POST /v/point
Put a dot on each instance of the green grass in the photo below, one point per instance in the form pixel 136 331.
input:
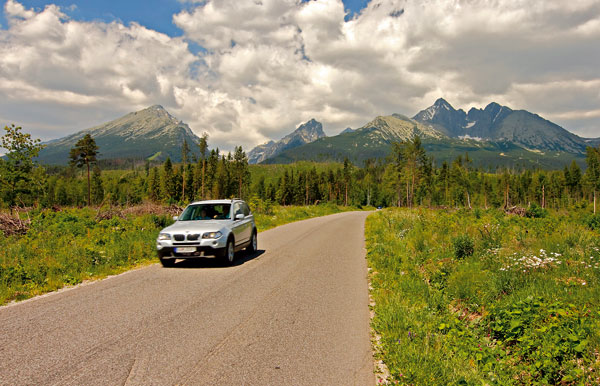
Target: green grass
pixel 483 298
pixel 70 246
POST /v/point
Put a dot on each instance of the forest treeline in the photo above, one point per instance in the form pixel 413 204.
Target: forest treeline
pixel 408 177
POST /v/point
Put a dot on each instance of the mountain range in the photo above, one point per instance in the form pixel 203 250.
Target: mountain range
pixel 151 133
pixel 493 136
pixel 500 123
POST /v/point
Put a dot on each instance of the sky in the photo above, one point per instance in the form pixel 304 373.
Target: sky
pixel 246 71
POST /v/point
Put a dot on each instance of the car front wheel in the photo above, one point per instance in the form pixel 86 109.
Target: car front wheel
pixel 229 252
pixel 253 247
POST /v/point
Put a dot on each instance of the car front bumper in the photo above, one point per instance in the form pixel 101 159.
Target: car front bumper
pixel 166 248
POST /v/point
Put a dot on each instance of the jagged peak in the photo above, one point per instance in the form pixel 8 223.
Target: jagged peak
pixel 493 106
pixel 311 125
pixel 441 102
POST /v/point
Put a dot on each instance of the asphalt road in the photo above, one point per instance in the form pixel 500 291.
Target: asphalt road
pixel 295 313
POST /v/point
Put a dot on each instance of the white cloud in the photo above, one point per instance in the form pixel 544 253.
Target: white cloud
pixel 272 64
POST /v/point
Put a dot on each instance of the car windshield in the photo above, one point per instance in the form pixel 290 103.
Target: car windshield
pixel 206 212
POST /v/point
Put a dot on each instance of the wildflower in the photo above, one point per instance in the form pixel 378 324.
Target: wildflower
pixel 584 283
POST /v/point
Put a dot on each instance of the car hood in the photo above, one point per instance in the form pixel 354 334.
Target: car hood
pixel 196 226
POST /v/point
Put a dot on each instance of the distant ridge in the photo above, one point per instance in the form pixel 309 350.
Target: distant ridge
pixel 151 133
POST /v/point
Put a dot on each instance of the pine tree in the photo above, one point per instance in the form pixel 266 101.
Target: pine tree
pixel 203 145
pixel 97 186
pixel 240 169
pixel 168 182
pixel 84 153
pixel 185 150
pixel 347 179
pixel 154 185
pixel 593 170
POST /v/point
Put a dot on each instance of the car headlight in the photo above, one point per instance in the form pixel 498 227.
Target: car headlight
pixel 164 236
pixel 212 235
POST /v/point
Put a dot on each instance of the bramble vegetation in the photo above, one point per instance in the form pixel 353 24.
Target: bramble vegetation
pixel 72 245
pixel 483 297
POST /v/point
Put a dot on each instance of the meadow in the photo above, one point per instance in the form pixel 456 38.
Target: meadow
pixel 68 246
pixel 480 297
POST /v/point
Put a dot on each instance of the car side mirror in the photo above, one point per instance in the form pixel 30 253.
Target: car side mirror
pixel 239 216
pixel 175 218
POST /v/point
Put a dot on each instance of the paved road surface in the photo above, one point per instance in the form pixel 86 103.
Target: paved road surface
pixel 295 313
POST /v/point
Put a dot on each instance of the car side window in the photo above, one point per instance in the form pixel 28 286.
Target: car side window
pixel 246 209
pixel 237 209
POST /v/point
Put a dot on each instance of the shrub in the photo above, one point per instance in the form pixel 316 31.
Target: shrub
pixel 463 246
pixel 593 222
pixel 535 211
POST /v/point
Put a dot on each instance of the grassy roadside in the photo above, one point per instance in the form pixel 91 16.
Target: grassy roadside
pixel 483 298
pixel 280 215
pixel 72 245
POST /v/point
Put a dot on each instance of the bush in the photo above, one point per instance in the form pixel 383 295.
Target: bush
pixel 593 222
pixel 463 246
pixel 535 211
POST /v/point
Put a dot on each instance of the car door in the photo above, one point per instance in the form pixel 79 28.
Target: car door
pixel 238 225
pixel 247 221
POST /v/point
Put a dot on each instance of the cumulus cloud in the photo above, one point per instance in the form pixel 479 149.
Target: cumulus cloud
pixel 48 60
pixel 299 59
pixel 268 65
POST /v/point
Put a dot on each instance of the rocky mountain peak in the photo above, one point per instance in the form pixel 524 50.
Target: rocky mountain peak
pixel 441 102
pixel 443 117
pixel 307 132
pixel 311 131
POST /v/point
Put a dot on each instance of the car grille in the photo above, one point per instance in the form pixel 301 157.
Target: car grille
pixel 190 237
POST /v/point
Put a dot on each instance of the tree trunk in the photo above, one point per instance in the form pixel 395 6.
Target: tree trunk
pixel 468 200
pixel 346 195
pixel 183 184
pixel 89 185
pixel 203 169
pixel 543 196
pixel 594 201
pixel 412 189
pixel 306 193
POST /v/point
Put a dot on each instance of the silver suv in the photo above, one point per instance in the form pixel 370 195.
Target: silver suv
pixel 216 228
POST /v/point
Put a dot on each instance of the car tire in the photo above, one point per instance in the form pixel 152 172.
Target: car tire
pixel 167 263
pixel 253 246
pixel 228 255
